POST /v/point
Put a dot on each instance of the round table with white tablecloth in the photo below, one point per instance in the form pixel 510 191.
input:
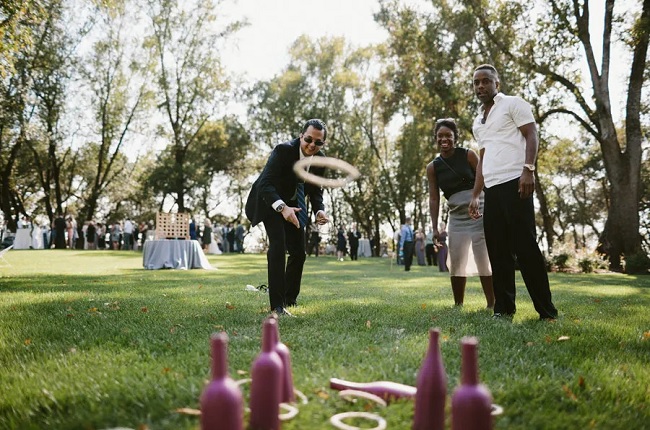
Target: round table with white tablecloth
pixel 174 254
pixel 364 248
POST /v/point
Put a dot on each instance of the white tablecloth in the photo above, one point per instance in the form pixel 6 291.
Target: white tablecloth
pixel 174 254
pixel 364 248
pixel 26 238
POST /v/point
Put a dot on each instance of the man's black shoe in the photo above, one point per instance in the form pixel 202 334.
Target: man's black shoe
pixel 498 316
pixel 282 311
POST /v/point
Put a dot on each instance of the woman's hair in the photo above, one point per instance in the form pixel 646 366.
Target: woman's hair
pixel 450 123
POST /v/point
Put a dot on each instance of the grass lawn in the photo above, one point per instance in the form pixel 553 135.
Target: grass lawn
pixel 90 340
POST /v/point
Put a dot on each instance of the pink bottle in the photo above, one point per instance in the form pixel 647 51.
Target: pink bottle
pixel 431 388
pixel 266 386
pixel 387 390
pixel 288 395
pixel 221 401
pixel 471 404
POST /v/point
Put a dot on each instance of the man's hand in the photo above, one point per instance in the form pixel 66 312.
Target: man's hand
pixel 474 208
pixel 289 215
pixel 321 218
pixel 526 184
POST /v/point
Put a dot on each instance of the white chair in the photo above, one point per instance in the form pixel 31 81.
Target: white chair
pixel 3 261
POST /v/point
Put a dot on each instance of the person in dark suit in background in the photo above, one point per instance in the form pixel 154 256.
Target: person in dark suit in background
pixel 59 231
pixel 277 199
pixel 353 240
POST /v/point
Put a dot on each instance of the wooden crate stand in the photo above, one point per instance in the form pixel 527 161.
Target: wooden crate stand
pixel 172 226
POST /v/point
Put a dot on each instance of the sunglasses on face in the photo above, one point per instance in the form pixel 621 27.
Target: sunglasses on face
pixel 310 139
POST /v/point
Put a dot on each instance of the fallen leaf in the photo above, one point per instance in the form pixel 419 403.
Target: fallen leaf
pixel 172 330
pixel 548 339
pixel 368 324
pixel 423 305
pixel 70 315
pixel 229 306
pixel 242 372
pixel 28 342
pixel 188 411
pixel 646 335
pixel 144 309
pixel 143 427
pixel 166 370
pixel 92 310
pixel 569 393
pixel 581 382
pixel 530 343
pixel 597 300
pixel 322 394
pixel 561 338
pixel 200 286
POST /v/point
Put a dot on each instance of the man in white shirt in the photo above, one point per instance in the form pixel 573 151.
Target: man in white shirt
pixel 128 232
pixel 507 136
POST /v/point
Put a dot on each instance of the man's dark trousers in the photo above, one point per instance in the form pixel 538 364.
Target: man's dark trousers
pixel 409 248
pixel 509 223
pixel 284 287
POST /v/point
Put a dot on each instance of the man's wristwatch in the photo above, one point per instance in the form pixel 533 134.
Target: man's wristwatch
pixel 280 207
pixel 530 167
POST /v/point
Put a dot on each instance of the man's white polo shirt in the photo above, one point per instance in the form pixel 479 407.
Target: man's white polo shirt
pixel 505 146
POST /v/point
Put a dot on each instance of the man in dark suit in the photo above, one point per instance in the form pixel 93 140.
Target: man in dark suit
pixel 277 199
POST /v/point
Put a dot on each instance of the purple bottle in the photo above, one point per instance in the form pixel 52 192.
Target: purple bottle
pixel 266 387
pixel 431 391
pixel 288 395
pixel 221 401
pixel 471 404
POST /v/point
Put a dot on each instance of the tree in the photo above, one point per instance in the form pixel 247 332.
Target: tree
pixel 18 21
pixel 32 100
pixel 328 79
pixel 550 50
pixel 117 73
pixel 219 148
pixel 191 82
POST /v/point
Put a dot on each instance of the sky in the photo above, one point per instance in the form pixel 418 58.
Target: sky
pixel 260 50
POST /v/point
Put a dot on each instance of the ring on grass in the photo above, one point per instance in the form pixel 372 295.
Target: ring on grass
pixel 292 411
pixel 346 394
pixel 243 381
pixel 330 162
pixel 300 395
pixel 496 410
pixel 336 420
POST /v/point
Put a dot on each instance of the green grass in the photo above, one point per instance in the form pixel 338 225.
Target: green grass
pixel 90 340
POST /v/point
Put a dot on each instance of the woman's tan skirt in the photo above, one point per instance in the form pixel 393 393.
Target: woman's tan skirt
pixel 468 254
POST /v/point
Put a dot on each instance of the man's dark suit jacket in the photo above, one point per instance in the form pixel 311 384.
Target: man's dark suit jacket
pixel 278 182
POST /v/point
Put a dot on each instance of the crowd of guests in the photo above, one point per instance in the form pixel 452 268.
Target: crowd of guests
pixel 426 249
pixel 68 233
pixel 216 239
